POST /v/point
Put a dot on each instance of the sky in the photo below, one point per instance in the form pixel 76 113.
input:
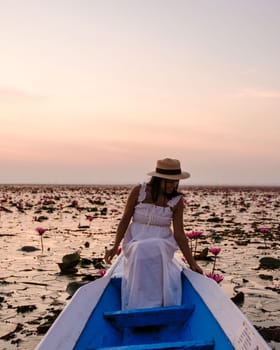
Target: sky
pixel 94 92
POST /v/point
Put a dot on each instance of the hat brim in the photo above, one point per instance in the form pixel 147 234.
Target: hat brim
pixel 183 175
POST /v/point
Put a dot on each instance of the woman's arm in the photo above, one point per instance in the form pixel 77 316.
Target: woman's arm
pixel 181 238
pixel 124 222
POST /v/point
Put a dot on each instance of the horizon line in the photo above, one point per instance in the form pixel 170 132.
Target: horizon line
pixel 132 184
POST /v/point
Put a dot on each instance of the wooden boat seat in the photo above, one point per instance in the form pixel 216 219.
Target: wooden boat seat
pixel 187 345
pixel 160 316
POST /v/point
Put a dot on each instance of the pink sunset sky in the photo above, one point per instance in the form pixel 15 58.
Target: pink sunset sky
pixel 94 92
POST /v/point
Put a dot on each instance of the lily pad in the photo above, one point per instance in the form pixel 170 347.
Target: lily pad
pixel 238 299
pixel 26 308
pixel 270 333
pixel 266 277
pixel 71 260
pixel 66 269
pixel 42 218
pixel 11 333
pixel 203 255
pixel 98 263
pixel 269 263
pixel 29 248
pixel 271 306
pixel 72 287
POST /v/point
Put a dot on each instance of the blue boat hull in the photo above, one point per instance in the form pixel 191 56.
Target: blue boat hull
pixel 206 320
pixel 151 328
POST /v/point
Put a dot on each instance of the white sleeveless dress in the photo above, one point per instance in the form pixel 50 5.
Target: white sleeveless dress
pixel 151 276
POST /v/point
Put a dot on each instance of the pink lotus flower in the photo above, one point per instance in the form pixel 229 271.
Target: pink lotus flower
pixel 216 277
pixel 264 230
pixel 215 250
pixel 41 230
pixel 102 272
pixel 89 217
pixel 194 235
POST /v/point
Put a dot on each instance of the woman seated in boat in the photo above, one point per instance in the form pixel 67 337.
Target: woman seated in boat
pixel 151 277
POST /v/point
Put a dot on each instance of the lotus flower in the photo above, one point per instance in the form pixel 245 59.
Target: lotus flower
pixel 216 277
pixel 194 235
pixel 214 251
pixel 41 231
pixel 264 230
pixel 102 272
pixel 89 218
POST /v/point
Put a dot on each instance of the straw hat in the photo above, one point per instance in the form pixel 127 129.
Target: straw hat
pixel 169 169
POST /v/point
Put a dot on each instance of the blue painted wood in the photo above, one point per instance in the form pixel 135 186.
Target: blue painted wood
pixel 98 330
pixel 82 325
pixel 100 333
pixel 160 316
pixel 188 345
pixel 203 324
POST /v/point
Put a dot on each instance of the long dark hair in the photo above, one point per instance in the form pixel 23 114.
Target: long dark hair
pixel 155 189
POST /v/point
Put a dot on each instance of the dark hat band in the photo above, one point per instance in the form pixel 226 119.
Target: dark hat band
pixel 168 172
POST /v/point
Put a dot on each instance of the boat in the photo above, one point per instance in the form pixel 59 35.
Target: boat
pixel 207 319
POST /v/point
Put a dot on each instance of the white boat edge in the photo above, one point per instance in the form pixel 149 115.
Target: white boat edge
pixel 235 324
pixel 65 332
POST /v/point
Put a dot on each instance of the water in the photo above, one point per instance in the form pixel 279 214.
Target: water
pixel 230 218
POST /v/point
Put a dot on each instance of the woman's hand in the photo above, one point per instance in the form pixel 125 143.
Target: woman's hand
pixel 109 254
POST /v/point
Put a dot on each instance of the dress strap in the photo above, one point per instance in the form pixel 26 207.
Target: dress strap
pixel 142 193
pixel 173 201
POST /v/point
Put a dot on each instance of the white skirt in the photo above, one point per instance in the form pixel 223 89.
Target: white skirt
pixel 151 277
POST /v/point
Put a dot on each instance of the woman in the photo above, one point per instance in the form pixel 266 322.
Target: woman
pixel 151 277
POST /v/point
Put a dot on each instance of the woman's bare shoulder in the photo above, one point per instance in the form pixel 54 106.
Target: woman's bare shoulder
pixel 134 193
pixel 179 205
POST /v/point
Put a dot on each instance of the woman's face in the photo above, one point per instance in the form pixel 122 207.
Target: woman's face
pixel 168 186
